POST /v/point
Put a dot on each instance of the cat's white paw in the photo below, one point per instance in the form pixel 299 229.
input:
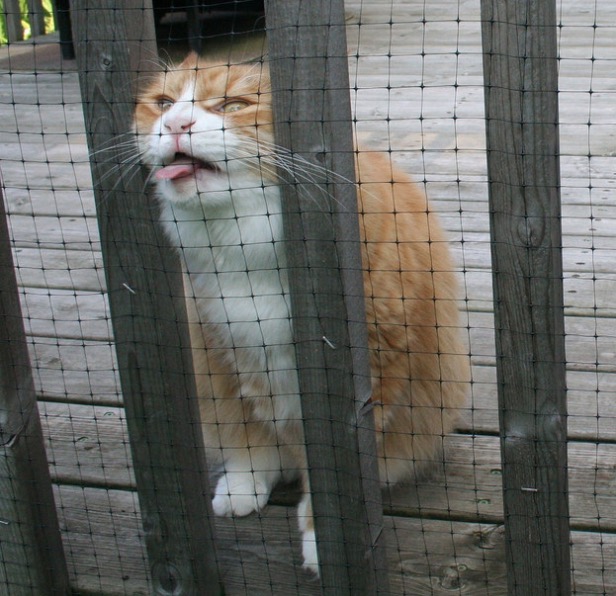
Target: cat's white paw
pixel 309 552
pixel 238 493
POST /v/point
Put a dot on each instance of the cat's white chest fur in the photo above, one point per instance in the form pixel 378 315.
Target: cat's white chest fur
pixel 235 263
pixel 234 259
pixel 215 173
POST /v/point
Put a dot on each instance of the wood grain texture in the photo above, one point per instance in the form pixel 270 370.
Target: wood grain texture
pixel 12 13
pixel 434 70
pixel 521 86
pixel 427 557
pixel 149 319
pixel 31 556
pixel 312 117
pixel 88 445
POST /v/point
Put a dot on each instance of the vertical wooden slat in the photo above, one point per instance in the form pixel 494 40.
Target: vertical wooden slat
pixel 31 554
pixel 149 317
pixel 308 63
pixel 62 15
pixel 36 17
pixel 142 48
pixel 12 14
pixel 521 85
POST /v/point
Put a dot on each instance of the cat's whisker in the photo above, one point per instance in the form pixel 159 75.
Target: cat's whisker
pixel 283 153
pixel 305 175
pixel 124 139
pixel 156 62
pixel 117 166
pixel 293 164
pixel 272 165
pixel 272 175
pixel 114 147
pixel 146 180
pixel 118 158
pixel 125 172
pixel 232 264
pixel 300 163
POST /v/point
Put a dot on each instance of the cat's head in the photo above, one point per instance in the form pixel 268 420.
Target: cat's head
pixel 204 127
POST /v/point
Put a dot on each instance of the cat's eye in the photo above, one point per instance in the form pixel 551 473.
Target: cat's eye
pixel 164 103
pixel 233 106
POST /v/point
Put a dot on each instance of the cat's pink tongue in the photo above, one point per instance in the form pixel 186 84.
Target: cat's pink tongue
pixel 175 171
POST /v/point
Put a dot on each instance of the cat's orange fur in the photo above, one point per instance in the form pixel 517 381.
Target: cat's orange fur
pixel 420 369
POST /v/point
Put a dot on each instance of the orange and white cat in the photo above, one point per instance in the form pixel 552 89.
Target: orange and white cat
pixel 205 130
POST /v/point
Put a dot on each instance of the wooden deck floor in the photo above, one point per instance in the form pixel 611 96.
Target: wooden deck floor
pixel 419 94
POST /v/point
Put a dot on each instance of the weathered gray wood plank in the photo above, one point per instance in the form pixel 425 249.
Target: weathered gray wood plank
pixel 521 81
pixel 62 269
pixel 12 13
pixel 31 555
pixel 78 232
pixel 145 287
pixel 66 314
pixel 55 232
pixel 591 403
pixel 101 530
pixel 469 485
pixel 60 374
pixel 312 120
pixel 104 542
pixel 89 444
pixel 449 158
pixel 75 370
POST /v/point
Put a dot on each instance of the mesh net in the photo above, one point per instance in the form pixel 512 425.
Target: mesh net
pixel 417 97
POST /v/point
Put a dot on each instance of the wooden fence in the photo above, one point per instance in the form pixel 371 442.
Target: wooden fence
pixel 521 85
pixel 13 19
pixel 308 60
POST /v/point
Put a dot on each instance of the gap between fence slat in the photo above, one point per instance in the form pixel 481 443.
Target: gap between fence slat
pixel 31 553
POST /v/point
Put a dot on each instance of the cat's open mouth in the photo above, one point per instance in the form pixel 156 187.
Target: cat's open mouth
pixel 184 165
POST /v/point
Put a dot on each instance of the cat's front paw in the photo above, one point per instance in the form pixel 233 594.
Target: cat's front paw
pixel 238 493
pixel 309 552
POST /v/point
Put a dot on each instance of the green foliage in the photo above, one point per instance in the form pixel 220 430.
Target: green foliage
pixel 23 6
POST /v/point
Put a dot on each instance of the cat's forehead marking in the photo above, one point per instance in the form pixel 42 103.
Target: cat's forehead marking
pixel 187 93
pixel 214 83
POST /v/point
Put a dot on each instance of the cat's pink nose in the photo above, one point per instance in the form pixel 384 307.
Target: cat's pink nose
pixel 178 125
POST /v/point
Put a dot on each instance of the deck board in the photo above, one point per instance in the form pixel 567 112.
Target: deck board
pixel 90 443
pixel 443 534
pixel 426 556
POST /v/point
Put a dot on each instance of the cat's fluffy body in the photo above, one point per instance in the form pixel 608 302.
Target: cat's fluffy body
pixel 206 132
